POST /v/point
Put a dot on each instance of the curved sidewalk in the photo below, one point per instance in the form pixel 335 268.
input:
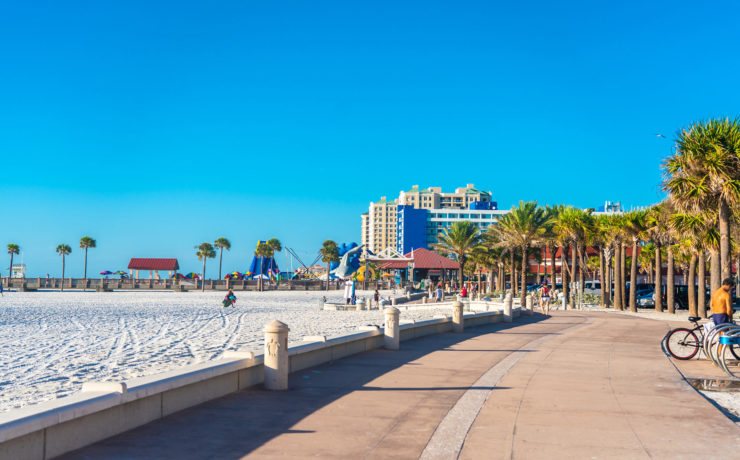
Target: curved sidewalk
pixel 574 385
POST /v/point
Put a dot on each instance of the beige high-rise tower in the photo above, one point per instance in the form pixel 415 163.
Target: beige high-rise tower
pixel 380 226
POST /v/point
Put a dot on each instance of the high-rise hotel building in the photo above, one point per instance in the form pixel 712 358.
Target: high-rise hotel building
pixel 418 215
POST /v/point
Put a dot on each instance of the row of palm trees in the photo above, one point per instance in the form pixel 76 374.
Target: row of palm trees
pixel 696 223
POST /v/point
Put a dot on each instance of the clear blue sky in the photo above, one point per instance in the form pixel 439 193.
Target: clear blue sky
pixel 154 126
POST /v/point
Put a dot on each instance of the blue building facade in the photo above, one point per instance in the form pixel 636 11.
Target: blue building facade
pixel 411 228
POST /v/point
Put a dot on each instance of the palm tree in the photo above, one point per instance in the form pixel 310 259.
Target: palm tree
pixel 329 254
pixel 598 239
pixel 658 231
pixel 573 225
pixel 703 173
pixel 63 250
pixel 635 228
pixel 221 243
pixel 275 246
pixel 461 239
pixel 522 227
pixel 13 249
pixel 697 232
pixel 205 251
pixel 86 242
pixel 263 250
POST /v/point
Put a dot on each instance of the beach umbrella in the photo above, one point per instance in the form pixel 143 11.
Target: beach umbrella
pixel 192 276
pixel 119 272
pixel 106 272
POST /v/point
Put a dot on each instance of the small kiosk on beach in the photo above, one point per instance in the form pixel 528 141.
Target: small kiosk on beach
pixel 154 266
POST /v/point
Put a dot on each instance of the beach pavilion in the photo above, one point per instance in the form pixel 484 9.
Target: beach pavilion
pixel 424 264
pixel 154 266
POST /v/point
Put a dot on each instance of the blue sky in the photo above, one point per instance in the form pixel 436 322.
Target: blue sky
pixel 154 126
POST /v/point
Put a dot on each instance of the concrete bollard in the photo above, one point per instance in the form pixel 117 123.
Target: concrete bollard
pixel 530 304
pixel 392 339
pixel 393 301
pixel 361 304
pixel 424 299
pixel 276 355
pixel 507 308
pixel 457 317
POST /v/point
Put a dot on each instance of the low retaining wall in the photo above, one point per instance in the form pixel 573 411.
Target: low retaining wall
pixel 102 410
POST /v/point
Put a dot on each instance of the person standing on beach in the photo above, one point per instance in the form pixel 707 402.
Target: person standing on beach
pixel 376 298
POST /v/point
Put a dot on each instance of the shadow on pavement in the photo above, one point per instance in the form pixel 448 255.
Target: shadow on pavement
pixel 235 425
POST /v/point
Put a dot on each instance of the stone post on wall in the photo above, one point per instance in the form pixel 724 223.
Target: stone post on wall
pixel 392 339
pixel 507 308
pixel 361 304
pixel 276 355
pixel 530 304
pixel 457 317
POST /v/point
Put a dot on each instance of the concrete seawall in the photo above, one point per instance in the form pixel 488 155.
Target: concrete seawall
pixel 102 410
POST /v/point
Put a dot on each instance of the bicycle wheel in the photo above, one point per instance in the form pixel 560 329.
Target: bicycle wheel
pixel 682 343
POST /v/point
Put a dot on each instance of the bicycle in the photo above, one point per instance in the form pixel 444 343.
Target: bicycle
pixel 684 343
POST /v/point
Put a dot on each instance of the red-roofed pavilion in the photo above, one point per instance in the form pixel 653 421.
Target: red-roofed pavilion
pixel 154 266
pixel 425 264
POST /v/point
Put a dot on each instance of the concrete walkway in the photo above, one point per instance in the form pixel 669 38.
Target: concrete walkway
pixel 574 385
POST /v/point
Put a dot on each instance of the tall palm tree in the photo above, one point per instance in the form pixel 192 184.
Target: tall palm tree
pixel 221 243
pixel 635 226
pixel 205 251
pixel 13 249
pixel 522 227
pixel 329 254
pixel 573 225
pixel 697 232
pixel 86 242
pixel 461 238
pixel 263 250
pixel 658 231
pixel 63 250
pixel 704 172
pixel 275 246
pixel 598 239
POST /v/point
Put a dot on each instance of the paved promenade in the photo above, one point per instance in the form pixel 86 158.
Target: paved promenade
pixel 576 385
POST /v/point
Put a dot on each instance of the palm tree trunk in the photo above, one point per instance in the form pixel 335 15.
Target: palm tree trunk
pixel 724 238
pixel 84 286
pixel 573 267
pixel 670 282
pixel 512 270
pixel 617 281
pixel 582 273
pixel 203 281
pixel 607 299
pixel 658 280
pixel 692 286
pixel 633 277
pixel 623 268
pixel 62 288
pixel 522 297
pixel 715 280
pixel 328 266
pixel 10 270
pixel 563 271
pixel 737 273
pixel 552 268
pixel 602 281
pixel 701 285
pixel 221 258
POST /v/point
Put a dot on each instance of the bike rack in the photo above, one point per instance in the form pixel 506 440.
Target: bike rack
pixel 731 336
